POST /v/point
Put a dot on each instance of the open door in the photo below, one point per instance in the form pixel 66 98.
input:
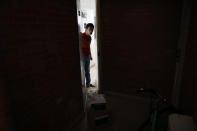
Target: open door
pixel 87 13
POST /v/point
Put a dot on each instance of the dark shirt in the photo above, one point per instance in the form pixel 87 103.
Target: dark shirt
pixel 86 40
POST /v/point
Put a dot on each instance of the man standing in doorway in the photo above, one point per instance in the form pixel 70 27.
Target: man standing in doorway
pixel 86 52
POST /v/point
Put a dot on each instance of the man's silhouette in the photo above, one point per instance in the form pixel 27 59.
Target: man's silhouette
pixel 86 52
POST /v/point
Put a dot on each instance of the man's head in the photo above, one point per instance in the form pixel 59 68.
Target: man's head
pixel 89 29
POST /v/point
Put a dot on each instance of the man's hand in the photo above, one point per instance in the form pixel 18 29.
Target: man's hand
pixel 91 57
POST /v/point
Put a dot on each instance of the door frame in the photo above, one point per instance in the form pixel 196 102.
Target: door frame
pixel 99 43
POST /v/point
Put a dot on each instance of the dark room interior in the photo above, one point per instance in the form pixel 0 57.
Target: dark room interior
pixel 147 55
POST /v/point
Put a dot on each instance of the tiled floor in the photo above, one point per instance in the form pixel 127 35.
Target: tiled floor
pixel 126 114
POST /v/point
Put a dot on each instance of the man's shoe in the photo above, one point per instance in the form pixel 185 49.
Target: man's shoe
pixel 87 86
pixel 91 85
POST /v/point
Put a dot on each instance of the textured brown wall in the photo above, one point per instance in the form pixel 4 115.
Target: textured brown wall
pixel 139 39
pixel 5 118
pixel 40 68
pixel 189 86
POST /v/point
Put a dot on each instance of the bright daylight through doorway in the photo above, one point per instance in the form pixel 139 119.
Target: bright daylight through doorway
pixel 86 13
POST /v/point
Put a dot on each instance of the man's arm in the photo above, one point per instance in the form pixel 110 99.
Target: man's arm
pixel 91 55
pixel 90 51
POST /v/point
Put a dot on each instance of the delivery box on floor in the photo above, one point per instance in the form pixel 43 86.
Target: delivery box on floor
pixel 101 117
pixel 98 102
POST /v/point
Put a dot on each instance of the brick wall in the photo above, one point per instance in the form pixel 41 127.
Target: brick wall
pixel 189 86
pixel 139 39
pixel 5 118
pixel 40 65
